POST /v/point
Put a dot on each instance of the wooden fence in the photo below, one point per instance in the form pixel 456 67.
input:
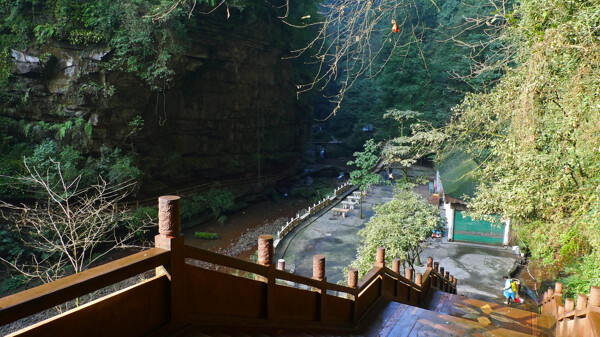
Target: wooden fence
pixel 573 319
pixel 238 294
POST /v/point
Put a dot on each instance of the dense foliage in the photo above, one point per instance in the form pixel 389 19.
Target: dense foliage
pixel 429 72
pixel 536 135
pixel 365 162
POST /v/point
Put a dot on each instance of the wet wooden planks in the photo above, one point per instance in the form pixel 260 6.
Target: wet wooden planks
pixel 512 318
pixel 412 321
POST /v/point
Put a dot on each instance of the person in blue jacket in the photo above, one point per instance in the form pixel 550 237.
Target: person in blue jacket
pixel 508 291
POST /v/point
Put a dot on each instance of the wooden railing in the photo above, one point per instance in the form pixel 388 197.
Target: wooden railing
pixel 218 292
pixel 581 319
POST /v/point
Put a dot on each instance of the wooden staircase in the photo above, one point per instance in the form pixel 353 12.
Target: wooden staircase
pixel 198 293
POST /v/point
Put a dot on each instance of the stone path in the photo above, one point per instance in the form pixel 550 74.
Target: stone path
pixel 478 268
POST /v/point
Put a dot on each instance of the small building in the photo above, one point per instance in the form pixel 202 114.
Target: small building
pixel 457 183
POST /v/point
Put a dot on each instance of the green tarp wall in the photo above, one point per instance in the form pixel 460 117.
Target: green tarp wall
pixel 479 231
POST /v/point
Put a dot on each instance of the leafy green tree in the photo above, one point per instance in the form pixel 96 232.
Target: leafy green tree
pixel 421 139
pixel 401 226
pixel 536 137
pixel 365 176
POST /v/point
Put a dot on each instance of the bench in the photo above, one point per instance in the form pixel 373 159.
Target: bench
pixel 353 199
pixel 341 211
pixel 348 204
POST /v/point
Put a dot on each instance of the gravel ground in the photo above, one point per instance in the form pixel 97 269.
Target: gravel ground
pixel 249 239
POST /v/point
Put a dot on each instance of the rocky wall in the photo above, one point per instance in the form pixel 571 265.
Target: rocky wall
pixel 230 112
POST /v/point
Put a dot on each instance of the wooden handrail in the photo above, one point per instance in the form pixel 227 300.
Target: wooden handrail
pixel 48 295
pixel 283 275
pixel 401 278
pixel 224 260
pixel 366 280
pixel 235 298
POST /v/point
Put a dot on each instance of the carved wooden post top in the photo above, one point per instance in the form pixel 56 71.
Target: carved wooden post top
pixel 419 279
pixel 558 287
pixel 319 266
pixel 380 258
pixel 430 262
pixel 265 249
pixel 594 298
pixel 396 265
pixel 352 277
pixel 169 221
pixel 569 304
pixel 582 301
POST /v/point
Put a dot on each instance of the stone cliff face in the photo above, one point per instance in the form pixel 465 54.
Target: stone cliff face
pixel 230 112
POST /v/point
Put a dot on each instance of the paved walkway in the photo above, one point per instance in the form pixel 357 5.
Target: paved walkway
pixel 478 268
pixel 331 235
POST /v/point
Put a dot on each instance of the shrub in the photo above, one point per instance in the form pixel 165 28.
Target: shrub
pixel 206 235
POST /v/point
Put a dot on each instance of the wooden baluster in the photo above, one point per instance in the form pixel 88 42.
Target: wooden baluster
pixel 265 257
pixel 419 279
pixel 170 238
pixel 396 265
pixel 408 273
pixel 380 258
pixel 319 274
pixel 448 286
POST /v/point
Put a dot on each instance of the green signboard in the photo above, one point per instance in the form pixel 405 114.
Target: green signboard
pixel 479 231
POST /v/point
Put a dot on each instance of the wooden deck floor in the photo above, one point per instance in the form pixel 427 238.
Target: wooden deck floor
pixel 453 315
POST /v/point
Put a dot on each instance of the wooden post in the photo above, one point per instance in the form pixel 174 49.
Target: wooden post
pixel 436 279
pixel 442 283
pixel 593 303
pixel 353 283
pixel 169 238
pixel 396 265
pixel 265 249
pixel 558 288
pixel 319 274
pixel 454 282
pixel 430 262
pixel 568 324
pixel 352 277
pixel 569 305
pixel 281 264
pixel 265 257
pixel 594 298
pixel 419 279
pixel 380 258
pixel 319 267
pixel 448 286
pixel 582 301
pixel 408 273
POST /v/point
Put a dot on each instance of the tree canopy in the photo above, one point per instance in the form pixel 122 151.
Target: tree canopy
pixel 401 226
pixel 536 135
